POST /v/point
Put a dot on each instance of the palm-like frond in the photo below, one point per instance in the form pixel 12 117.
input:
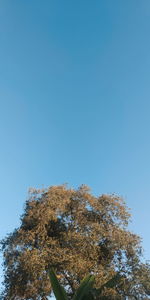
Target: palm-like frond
pixel 58 290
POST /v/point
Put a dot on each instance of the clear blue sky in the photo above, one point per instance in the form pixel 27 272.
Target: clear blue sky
pixel 75 102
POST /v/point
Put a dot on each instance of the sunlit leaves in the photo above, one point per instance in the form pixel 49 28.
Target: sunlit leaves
pixel 77 233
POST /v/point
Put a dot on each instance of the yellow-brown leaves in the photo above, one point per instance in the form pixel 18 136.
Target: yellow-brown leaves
pixel 76 233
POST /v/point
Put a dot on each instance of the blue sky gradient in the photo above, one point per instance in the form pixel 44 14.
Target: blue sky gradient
pixel 75 102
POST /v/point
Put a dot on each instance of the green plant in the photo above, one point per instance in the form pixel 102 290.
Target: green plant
pixel 60 293
pixel 85 291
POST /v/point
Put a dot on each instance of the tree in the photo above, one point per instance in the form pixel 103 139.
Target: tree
pixel 76 233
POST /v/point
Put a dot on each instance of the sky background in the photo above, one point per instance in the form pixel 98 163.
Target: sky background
pixel 75 102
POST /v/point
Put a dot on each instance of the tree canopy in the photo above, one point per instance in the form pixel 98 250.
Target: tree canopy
pixel 77 234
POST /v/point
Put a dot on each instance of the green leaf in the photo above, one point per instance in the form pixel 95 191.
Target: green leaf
pixel 110 283
pixel 84 288
pixel 58 290
pixel 89 296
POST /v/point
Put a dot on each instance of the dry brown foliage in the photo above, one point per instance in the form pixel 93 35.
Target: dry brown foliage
pixel 77 233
